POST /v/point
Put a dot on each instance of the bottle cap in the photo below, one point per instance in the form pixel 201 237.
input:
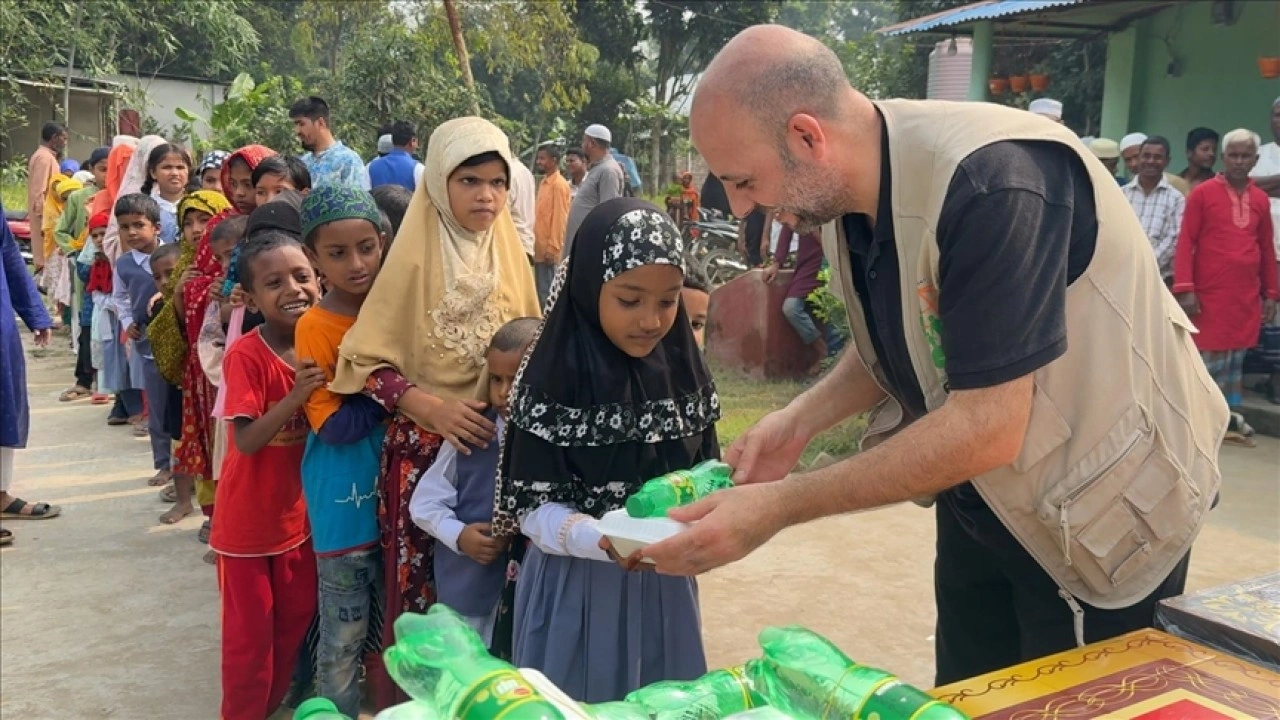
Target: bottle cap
pixel 640 506
pixel 317 707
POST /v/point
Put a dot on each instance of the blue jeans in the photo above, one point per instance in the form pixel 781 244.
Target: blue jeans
pixel 543 275
pixel 350 587
pixel 796 310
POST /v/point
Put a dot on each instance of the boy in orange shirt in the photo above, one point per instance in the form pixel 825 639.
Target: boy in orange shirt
pixel 266 565
pixel 342 230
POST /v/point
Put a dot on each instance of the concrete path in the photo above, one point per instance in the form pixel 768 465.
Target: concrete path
pixel 104 613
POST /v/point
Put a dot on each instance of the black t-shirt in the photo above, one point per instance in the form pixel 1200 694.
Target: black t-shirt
pixel 753 234
pixel 1017 226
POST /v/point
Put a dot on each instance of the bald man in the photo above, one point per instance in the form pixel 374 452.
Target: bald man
pixel 1012 336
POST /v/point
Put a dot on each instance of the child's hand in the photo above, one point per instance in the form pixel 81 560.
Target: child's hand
pixel 134 332
pixel 476 543
pixel 309 378
pixel 630 564
pixel 461 424
pixel 187 276
pixel 236 298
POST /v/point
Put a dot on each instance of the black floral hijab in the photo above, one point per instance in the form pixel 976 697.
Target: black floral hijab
pixel 589 423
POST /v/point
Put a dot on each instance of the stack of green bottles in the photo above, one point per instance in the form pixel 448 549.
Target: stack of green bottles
pixel 441 663
pixel 678 488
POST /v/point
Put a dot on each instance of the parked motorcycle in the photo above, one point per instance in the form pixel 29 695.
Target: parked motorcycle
pixel 711 247
pixel 20 226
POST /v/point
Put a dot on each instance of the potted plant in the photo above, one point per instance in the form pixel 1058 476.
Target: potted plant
pixel 1269 66
pixel 998 85
pixel 1018 83
pixel 1039 79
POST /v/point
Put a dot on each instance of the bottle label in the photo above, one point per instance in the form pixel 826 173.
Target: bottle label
pixel 681 482
pixel 497 694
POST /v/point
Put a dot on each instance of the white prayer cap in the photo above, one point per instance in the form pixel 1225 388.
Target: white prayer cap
pixel 599 132
pixel 1132 140
pixel 84 177
pixel 1104 149
pixel 1047 107
pixel 384 144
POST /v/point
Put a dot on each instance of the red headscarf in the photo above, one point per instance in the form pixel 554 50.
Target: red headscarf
pixel 198 394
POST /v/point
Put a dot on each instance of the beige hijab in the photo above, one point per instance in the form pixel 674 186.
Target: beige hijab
pixel 443 290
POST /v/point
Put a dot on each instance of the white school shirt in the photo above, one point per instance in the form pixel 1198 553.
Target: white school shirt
pixel 1269 164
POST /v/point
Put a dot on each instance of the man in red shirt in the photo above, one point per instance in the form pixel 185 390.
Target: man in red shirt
pixel 1225 266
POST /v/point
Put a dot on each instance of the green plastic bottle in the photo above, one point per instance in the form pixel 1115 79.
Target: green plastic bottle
pixel 439 659
pixel 412 710
pixel 318 708
pixel 804 675
pixel 717 694
pixel 617 711
pixel 681 487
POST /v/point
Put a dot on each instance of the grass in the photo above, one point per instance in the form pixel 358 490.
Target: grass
pixel 744 400
pixel 14 195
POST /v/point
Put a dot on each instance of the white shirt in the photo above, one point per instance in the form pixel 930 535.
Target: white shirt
pixel 522 200
pixel 1269 164
pixel 1160 214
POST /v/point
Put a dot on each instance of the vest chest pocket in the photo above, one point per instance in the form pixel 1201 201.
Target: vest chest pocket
pixel 1120 504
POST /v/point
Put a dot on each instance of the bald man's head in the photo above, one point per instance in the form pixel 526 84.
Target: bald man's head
pixel 769 73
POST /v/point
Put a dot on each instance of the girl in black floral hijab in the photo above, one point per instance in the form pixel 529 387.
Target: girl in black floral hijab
pixel 613 392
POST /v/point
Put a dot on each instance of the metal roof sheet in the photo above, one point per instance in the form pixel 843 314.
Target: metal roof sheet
pixel 987 10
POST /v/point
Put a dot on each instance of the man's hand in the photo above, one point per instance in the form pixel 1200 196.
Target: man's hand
pixel 1269 310
pixel 768 450
pixel 771 273
pixel 730 524
pixel 1190 303
pixel 134 332
pixel 476 543
pixel 42 337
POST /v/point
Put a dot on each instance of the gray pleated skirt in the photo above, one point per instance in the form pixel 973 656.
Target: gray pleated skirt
pixel 598 632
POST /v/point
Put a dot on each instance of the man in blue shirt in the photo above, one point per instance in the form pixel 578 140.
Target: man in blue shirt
pixel 330 162
pixel 398 166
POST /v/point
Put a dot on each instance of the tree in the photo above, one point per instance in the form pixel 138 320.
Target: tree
pixel 616 30
pixel 460 49
pixel 685 35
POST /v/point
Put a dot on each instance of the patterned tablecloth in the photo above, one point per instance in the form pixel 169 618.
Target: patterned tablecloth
pixel 1145 675
pixel 1242 618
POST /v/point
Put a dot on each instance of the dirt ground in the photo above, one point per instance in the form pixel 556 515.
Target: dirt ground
pixel 104 613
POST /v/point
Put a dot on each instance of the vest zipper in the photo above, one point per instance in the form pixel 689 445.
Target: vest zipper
pixel 1064 524
pixel 1077 615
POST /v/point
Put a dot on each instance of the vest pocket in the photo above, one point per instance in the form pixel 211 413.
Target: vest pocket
pixel 1119 504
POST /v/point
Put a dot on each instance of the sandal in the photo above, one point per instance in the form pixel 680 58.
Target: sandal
pixel 141 431
pixel 211 557
pixel 100 399
pixel 79 392
pixel 205 529
pixel 38 511
pixel 117 421
pixel 169 494
pixel 6 537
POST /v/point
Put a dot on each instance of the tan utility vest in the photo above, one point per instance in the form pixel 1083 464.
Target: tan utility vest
pixel 1120 460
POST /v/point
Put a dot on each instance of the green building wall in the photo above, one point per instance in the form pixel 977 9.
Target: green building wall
pixel 1218 84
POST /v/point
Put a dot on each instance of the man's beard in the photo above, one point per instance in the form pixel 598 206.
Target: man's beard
pixel 815 198
pixel 308 146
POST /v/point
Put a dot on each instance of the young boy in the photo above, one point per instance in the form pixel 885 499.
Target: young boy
pixel 133 286
pixel 696 298
pixel 454 501
pixel 343 238
pixel 278 173
pixel 266 567
pixel 94 271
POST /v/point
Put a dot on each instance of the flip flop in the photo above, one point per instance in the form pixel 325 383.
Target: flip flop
pixel 169 494
pixel 100 399
pixel 39 511
pixel 205 529
pixel 79 392
pixel 6 537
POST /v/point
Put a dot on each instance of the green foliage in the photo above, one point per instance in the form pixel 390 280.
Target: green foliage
pixel 827 307
pixel 252 113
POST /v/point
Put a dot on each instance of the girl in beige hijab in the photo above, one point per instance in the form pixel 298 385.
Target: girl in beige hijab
pixel 455 274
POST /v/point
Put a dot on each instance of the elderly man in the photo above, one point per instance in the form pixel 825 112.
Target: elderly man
pixel 1157 204
pixel 1224 267
pixel 1266 175
pixel 1069 440
pixel 605 180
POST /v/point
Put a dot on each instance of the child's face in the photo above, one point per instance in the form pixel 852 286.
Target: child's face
pixel 241 181
pixel 284 286
pixel 162 271
pixel 212 179
pixel 638 307
pixel 223 250
pixel 502 375
pixel 477 194
pixel 171 175
pixel 270 186
pixel 193 225
pixel 348 253
pixel 99 170
pixel 138 232
pixel 96 236
pixel 695 306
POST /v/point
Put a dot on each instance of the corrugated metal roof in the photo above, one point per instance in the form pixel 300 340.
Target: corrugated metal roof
pixel 988 10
